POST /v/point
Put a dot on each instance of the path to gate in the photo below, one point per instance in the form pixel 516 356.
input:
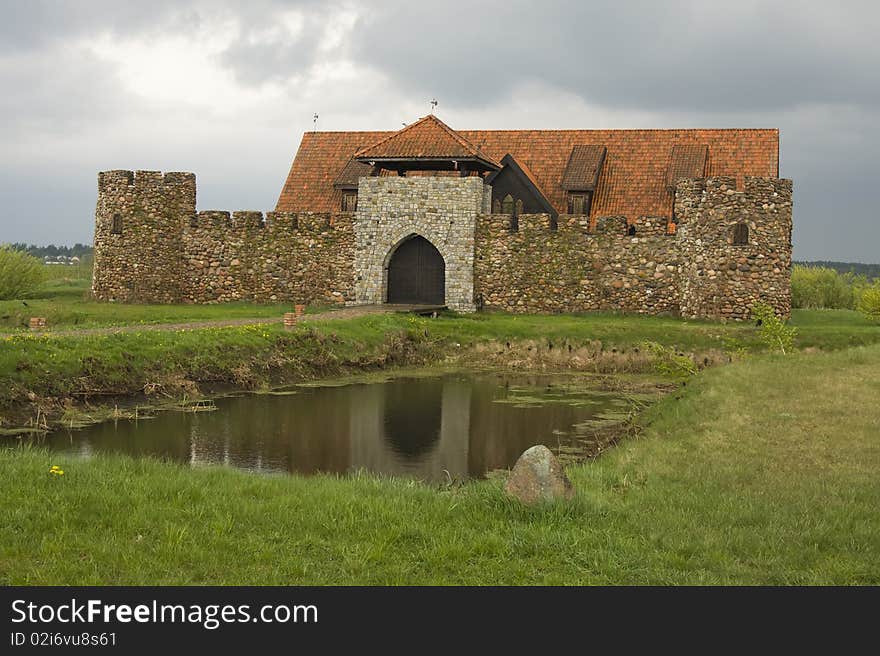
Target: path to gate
pixel 342 313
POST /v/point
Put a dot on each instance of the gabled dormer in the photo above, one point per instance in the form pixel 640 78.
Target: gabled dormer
pixel 515 190
pixel 581 176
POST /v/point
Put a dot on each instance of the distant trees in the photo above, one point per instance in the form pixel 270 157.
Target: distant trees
pixel 20 273
pixel 871 271
pixel 52 251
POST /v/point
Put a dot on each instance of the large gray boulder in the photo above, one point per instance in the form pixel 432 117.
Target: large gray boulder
pixel 538 476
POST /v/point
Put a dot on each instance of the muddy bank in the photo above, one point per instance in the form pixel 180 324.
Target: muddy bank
pixel 104 382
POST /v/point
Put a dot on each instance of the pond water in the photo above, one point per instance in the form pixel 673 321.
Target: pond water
pixel 421 427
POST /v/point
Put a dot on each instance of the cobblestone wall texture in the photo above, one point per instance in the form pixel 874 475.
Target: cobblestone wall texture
pixel 151 246
pixel 443 210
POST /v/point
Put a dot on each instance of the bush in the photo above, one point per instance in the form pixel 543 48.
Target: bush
pixel 774 333
pixel 20 273
pixel 823 287
pixel 869 303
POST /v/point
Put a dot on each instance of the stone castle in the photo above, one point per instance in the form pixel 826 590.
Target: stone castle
pixel 693 223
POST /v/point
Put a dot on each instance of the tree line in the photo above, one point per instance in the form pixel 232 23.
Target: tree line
pixel 52 251
pixel 870 271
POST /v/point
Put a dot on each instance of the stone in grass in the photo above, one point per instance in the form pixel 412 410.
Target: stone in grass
pixel 538 476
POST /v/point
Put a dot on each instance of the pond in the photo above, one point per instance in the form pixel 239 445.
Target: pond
pixel 452 426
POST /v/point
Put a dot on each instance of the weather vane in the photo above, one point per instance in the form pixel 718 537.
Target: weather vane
pixel 315 121
pixel 433 105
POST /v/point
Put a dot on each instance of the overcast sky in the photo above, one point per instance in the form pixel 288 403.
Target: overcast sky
pixel 226 89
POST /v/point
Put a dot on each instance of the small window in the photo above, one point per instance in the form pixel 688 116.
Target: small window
pixel 349 201
pixel 579 203
pixel 631 230
pixel 508 205
pixel 496 206
pixel 116 228
pixel 741 234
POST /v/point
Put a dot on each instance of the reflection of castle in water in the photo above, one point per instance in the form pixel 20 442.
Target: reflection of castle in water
pixel 421 428
pixel 395 428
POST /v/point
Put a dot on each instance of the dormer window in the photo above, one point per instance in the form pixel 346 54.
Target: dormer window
pixel 579 202
pixel 349 201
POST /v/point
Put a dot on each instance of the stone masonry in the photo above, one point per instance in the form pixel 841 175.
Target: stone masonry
pixel 443 210
pixel 152 246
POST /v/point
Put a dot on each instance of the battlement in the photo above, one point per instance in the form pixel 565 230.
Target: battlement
pixel 256 221
pixel 613 226
pixel 725 245
pixel 143 179
pixel 705 196
pixel 151 245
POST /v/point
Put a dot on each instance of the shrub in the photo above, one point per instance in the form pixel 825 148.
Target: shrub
pixel 669 362
pixel 774 333
pixel 823 287
pixel 869 303
pixel 20 273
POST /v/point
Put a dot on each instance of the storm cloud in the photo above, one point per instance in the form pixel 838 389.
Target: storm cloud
pixel 226 89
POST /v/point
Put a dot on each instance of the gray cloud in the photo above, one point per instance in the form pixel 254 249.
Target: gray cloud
pixel 693 56
pixel 808 69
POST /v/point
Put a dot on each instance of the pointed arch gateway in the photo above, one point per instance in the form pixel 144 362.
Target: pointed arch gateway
pixel 416 273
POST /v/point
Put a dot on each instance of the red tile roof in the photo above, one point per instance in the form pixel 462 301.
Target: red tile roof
pixel 686 161
pixel 632 182
pixel 583 168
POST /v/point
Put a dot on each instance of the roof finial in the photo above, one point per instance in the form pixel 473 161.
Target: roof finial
pixel 433 104
pixel 315 121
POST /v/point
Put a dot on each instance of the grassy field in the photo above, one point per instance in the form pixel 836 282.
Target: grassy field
pixel 763 471
pixel 79 367
pixel 65 304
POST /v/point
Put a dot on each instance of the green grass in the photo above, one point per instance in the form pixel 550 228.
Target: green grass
pixel 65 304
pixel 763 471
pixel 170 361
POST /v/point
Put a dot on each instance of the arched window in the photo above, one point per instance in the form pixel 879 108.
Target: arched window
pixel 631 230
pixel 496 206
pixel 116 227
pixel 508 205
pixel 519 207
pixel 741 234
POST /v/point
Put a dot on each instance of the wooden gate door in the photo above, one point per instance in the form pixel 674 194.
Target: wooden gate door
pixel 417 274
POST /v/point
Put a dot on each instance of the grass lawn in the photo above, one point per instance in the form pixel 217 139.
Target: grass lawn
pixel 80 366
pixel 763 471
pixel 64 303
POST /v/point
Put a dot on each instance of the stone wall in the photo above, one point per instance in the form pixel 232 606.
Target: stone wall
pixel 574 269
pixel 150 209
pixel 443 210
pixel 151 246
pixel 697 271
pixel 719 278
pixel 169 253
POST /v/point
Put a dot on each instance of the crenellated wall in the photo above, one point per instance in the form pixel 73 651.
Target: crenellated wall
pixel 152 210
pixel 574 269
pixel 694 269
pixel 169 253
pixel 720 278
pixel 151 246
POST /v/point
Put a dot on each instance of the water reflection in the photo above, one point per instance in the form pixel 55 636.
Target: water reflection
pixel 418 427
